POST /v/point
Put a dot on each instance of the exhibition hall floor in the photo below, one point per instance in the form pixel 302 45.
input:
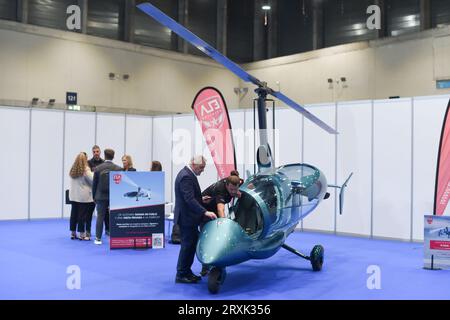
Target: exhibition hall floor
pixel 35 256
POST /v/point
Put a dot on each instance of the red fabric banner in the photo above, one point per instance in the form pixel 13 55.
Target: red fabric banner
pixel 442 189
pixel 212 113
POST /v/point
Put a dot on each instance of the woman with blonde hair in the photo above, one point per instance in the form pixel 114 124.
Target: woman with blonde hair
pixel 80 195
pixel 127 163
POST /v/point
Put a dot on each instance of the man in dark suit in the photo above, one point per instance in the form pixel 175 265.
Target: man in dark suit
pixel 100 190
pixel 189 213
pixel 95 161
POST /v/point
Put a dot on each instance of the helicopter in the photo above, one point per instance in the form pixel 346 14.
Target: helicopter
pixel 273 201
pixel 140 193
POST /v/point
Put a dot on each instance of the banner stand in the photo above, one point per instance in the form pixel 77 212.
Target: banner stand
pixel 136 210
pixel 436 243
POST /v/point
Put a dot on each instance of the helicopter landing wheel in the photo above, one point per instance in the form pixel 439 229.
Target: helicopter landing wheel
pixel 316 257
pixel 215 279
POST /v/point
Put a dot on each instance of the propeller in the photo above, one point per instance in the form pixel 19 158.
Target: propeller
pixel 129 181
pixel 210 51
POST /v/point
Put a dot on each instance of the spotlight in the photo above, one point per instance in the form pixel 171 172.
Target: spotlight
pixel 240 90
pixel 51 102
pixel 34 101
pixel 343 79
pixel 266 7
pixel 112 76
pixel 126 77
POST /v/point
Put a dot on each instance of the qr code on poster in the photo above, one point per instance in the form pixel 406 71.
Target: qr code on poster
pixel 157 240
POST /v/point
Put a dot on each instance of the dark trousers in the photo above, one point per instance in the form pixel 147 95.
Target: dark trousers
pixel 107 220
pixel 78 216
pixel 102 216
pixel 90 213
pixel 189 238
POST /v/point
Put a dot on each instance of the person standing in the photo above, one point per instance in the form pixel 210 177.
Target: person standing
pixel 95 161
pixel 189 213
pixel 156 166
pixel 100 189
pixel 80 194
pixel 127 163
pixel 217 195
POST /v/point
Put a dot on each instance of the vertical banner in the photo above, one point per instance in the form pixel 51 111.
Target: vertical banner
pixel 212 113
pixel 442 188
pixel 136 209
pixel 436 242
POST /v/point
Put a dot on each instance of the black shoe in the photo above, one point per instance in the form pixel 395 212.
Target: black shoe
pixel 186 279
pixel 205 271
pixel 195 277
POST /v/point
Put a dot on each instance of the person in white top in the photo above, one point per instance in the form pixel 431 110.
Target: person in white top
pixel 80 195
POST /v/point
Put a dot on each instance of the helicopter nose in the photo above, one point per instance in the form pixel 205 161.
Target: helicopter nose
pixel 222 243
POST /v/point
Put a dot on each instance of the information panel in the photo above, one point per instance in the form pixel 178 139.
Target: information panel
pixel 136 210
pixel 437 242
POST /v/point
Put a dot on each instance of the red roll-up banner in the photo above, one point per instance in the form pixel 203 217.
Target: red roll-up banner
pixel 212 113
pixel 442 188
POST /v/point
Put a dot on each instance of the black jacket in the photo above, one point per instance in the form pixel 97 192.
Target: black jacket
pixel 188 210
pixel 96 192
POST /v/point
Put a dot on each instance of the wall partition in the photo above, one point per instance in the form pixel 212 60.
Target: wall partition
pixel 389 145
pixel 162 150
pixel 15 159
pixel 354 154
pixel 319 150
pixel 79 136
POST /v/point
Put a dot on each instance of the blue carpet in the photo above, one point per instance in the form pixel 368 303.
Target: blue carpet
pixel 34 256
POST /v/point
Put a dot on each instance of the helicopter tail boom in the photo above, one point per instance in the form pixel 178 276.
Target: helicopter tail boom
pixel 342 192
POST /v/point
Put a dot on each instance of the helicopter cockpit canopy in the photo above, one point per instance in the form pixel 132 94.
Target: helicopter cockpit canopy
pixel 258 192
pixel 274 199
pixel 301 179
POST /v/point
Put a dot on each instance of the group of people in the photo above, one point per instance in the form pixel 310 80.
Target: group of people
pixel 194 208
pixel 89 189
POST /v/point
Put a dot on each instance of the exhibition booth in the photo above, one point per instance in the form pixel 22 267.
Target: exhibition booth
pixel 373 250
pixel 390 145
pixel 338 200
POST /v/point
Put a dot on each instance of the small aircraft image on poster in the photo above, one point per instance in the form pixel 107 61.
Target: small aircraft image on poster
pixel 139 193
pixel 442 232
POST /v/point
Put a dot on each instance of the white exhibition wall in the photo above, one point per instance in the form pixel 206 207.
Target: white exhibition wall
pixel 390 145
pixel 46 165
pixel 354 154
pixel 15 146
pixel 319 150
pixel 392 168
pixel 162 149
pixel 79 135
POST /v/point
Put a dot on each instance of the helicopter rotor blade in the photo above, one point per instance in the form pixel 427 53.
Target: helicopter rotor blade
pixel 303 111
pixel 129 181
pixel 206 48
pixel 209 50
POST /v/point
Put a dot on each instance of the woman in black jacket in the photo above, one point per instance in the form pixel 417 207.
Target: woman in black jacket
pixel 127 163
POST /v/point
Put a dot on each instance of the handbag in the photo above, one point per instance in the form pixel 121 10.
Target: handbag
pixel 67 197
